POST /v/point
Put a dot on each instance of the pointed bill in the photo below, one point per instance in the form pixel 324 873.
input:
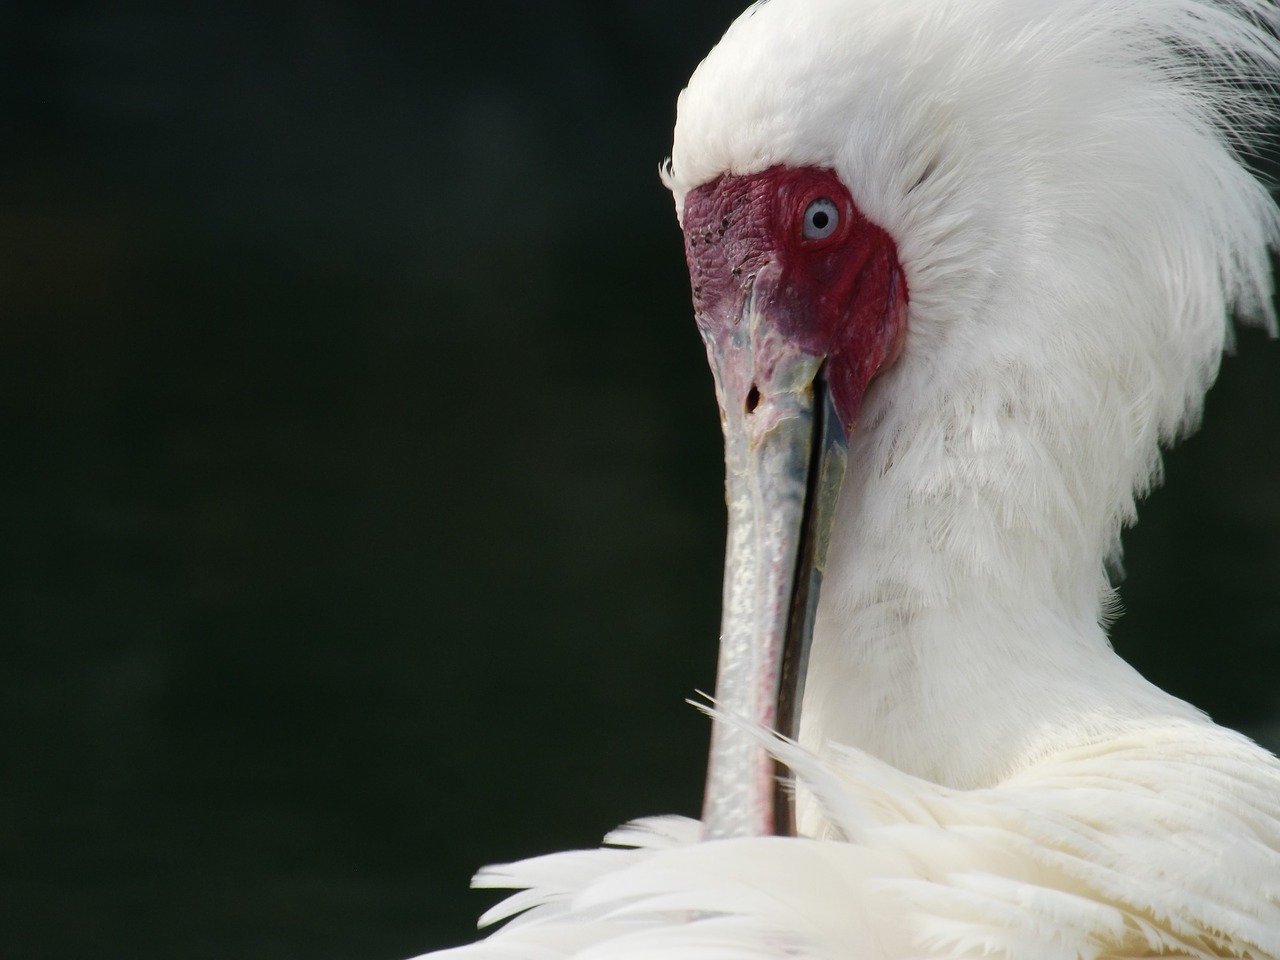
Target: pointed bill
pixel 783 467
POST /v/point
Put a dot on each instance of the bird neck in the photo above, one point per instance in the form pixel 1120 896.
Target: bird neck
pixel 959 634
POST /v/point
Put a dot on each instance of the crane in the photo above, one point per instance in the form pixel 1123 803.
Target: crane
pixel 961 268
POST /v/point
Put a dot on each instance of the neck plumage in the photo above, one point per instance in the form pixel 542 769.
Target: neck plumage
pixel 959 632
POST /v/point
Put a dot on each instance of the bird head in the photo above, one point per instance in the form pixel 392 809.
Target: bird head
pixel 992 247
pixel 800 301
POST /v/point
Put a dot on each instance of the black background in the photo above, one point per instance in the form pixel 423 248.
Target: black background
pixel 360 509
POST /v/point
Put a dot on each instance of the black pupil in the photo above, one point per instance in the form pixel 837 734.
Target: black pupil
pixel 820 219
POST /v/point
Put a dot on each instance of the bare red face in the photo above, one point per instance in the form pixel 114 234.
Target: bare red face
pixel 794 241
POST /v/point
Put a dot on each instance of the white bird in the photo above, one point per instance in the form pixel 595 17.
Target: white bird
pixel 986 252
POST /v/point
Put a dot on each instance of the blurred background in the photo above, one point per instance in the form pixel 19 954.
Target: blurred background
pixel 360 507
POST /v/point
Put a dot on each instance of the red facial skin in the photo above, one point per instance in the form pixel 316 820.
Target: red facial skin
pixel 843 297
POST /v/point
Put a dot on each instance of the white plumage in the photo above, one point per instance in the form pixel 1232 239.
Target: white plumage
pixel 979 775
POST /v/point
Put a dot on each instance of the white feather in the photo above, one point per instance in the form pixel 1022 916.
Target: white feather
pixel 981 776
pixel 1164 844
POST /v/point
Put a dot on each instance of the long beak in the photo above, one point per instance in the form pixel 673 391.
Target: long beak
pixel 785 452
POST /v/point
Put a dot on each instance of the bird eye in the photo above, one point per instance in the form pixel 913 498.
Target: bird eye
pixel 821 217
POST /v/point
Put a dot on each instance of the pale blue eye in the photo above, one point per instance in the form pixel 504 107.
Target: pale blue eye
pixel 821 218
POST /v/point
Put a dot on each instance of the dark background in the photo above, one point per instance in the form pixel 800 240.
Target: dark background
pixel 360 509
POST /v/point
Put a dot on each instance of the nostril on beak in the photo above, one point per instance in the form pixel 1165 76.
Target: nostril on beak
pixel 753 399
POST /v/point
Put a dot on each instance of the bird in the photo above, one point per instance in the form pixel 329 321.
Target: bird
pixel 962 269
